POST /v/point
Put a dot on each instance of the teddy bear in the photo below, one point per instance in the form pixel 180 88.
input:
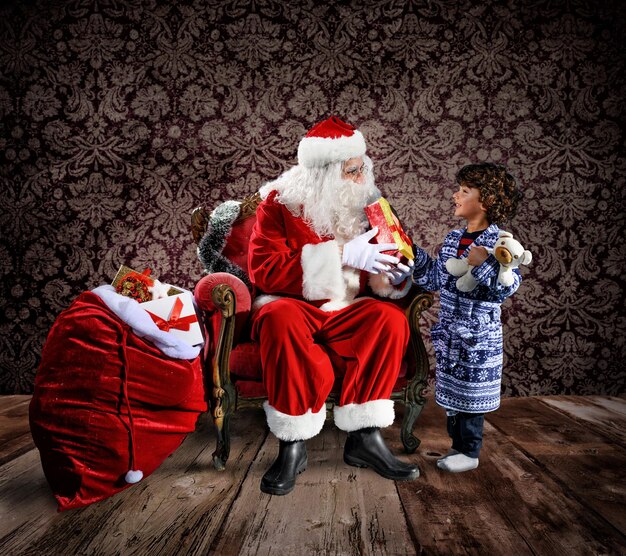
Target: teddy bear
pixel 508 252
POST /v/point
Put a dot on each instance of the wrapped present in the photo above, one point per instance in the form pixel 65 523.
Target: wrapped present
pixel 176 314
pixel 133 284
pixel 381 214
pixel 141 286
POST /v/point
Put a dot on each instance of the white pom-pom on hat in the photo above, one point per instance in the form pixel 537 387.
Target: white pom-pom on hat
pixel 331 140
pixel 133 476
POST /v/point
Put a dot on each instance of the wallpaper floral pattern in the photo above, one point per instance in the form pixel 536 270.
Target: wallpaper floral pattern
pixel 119 117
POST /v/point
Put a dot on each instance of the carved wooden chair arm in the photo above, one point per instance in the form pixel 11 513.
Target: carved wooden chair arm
pixel 199 223
pixel 420 303
pixel 221 296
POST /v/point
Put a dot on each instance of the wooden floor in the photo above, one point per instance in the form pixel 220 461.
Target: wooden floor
pixel 551 480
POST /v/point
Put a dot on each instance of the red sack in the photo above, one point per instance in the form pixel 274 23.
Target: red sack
pixel 107 402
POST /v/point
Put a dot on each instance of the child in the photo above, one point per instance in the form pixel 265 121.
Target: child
pixel 468 337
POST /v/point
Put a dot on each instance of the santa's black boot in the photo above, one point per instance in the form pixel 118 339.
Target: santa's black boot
pixel 366 448
pixel 280 478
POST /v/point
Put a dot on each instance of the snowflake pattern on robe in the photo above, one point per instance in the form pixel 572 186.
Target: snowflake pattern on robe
pixel 468 337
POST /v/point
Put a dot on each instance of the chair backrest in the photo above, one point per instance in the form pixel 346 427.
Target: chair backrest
pixel 236 246
pixel 223 236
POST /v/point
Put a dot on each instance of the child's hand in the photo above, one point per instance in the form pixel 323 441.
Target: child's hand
pixel 400 272
pixel 477 256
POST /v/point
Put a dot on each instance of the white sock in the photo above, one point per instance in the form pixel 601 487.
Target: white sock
pixel 457 463
pixel 451 452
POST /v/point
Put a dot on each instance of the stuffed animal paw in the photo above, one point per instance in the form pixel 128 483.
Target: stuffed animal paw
pixel 460 267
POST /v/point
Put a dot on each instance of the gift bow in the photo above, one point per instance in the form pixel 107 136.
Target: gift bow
pixel 175 320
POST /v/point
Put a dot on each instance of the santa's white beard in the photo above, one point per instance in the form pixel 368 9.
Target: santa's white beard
pixel 331 205
pixel 338 211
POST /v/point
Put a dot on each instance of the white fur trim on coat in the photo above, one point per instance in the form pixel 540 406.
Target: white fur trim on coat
pixel 319 151
pixel 130 311
pixel 338 304
pixel 266 189
pixel 356 416
pixel 352 283
pixel 263 299
pixel 321 271
pixel 294 427
pixel 381 285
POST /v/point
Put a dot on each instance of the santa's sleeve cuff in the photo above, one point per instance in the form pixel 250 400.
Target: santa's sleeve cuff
pixel 321 271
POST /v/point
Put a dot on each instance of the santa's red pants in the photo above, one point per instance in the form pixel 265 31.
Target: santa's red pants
pixel 299 344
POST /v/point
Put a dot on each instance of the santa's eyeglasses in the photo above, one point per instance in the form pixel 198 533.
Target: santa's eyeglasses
pixel 355 171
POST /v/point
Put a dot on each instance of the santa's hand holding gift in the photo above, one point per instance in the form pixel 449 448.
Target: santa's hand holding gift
pixel 310 255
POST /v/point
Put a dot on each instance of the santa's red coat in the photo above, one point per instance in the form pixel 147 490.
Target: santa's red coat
pixel 317 327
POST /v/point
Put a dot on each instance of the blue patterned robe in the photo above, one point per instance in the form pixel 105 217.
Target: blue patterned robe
pixel 468 337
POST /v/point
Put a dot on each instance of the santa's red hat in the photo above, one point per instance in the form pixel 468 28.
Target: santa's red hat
pixel 330 141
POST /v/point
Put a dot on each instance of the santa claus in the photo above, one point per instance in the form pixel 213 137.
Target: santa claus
pixel 310 255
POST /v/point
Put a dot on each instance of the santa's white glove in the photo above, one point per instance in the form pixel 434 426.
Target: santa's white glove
pixel 359 253
pixel 400 272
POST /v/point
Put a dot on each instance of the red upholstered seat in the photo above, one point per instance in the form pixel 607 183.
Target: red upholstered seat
pixel 245 361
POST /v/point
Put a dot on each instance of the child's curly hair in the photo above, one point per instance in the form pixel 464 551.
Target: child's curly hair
pixel 499 192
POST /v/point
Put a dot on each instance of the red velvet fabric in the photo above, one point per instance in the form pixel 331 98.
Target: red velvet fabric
pixel 298 372
pixel 245 359
pixel 236 248
pixel 250 389
pixel 203 292
pixel 245 365
pixel 93 369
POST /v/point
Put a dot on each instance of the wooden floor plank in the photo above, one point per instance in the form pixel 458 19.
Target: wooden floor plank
pixel 586 409
pixel 178 509
pixel 610 403
pixel 12 403
pixel 334 509
pixel 452 513
pixel 552 480
pixel 24 498
pixel 15 447
pixel 580 459
pixel 15 436
pixel 506 506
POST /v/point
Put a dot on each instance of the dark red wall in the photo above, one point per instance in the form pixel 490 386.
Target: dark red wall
pixel 118 118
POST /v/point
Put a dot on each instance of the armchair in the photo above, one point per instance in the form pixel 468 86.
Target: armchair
pixel 231 361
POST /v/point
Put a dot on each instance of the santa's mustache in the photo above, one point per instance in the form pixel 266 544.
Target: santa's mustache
pixel 338 208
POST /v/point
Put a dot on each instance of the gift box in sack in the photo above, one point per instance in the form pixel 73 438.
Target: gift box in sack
pixel 176 314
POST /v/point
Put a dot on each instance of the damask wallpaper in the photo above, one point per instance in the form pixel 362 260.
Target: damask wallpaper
pixel 119 117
